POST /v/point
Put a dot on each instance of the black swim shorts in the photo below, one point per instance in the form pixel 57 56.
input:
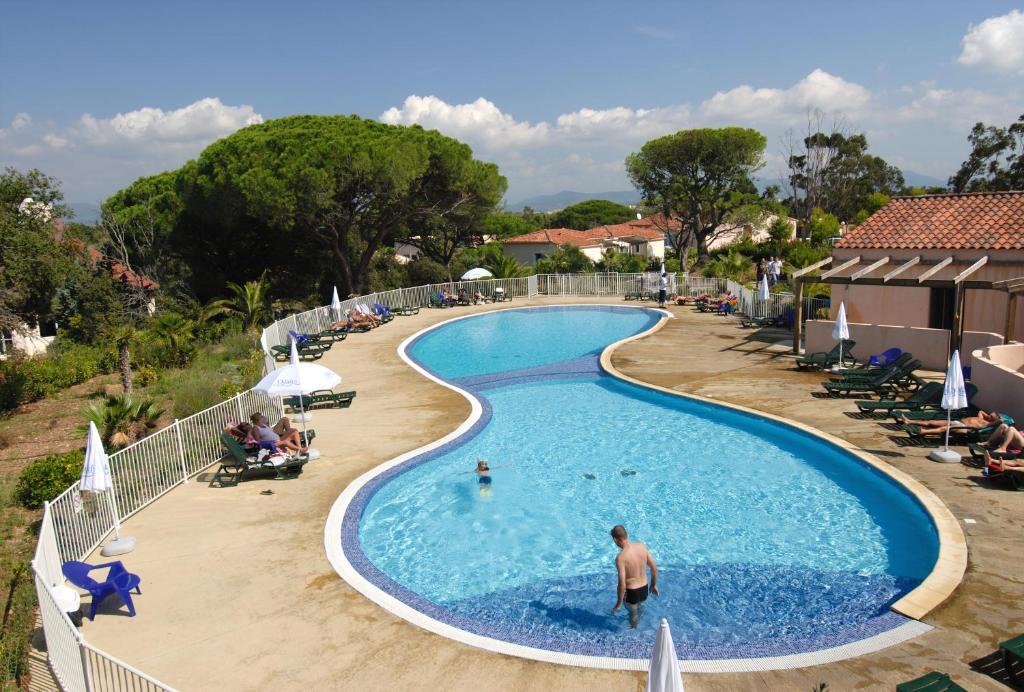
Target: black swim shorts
pixel 637 595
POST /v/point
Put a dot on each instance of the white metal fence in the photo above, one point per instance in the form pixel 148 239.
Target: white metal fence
pixel 777 304
pixel 74 525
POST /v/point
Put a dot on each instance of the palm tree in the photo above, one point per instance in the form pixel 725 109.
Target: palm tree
pixel 122 420
pixel 123 337
pixel 250 302
pixel 176 333
pixel 504 267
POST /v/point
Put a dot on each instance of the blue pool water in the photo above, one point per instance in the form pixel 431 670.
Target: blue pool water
pixel 769 541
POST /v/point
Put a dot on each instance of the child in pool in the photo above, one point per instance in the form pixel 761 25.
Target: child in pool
pixel 483 472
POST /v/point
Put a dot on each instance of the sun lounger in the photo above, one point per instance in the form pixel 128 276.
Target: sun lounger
pixel 438 301
pixel 759 322
pixel 404 310
pixel 383 313
pixel 928 395
pixel 932 682
pixel 1013 658
pixel 322 398
pixel 869 372
pixel 826 359
pixel 500 296
pixel 283 353
pixel 883 384
pixel 332 335
pixel 238 463
pixel 964 435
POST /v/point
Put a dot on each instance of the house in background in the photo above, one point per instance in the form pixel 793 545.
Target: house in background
pixel 641 237
pixel 727 234
pixel 931 274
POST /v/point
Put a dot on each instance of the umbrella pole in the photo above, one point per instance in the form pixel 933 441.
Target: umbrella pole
pixel 114 512
pixel 949 421
pixel 302 410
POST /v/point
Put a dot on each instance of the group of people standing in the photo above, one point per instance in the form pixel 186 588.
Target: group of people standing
pixel 772 268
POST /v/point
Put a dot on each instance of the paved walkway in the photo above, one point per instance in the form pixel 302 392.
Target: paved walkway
pixel 238 593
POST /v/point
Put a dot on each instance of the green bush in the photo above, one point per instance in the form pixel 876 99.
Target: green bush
pixel 23 380
pixel 46 478
pixel 144 376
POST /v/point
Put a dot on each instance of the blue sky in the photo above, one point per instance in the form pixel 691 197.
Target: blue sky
pixel 556 93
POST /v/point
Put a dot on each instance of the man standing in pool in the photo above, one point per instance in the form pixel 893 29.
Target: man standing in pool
pixel 632 563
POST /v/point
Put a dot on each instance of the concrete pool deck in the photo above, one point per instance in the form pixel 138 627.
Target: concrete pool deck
pixel 238 593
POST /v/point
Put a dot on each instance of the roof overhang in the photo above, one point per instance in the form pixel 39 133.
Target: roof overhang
pixel 946 272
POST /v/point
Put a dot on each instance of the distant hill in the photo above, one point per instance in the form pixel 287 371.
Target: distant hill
pixel 913 179
pixel 85 212
pixel 561 200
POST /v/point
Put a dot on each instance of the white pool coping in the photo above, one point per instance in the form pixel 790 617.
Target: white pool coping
pixel 341 564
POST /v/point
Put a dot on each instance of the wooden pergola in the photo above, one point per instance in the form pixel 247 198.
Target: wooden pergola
pixel 860 276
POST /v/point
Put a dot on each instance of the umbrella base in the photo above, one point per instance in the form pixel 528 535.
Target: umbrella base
pixel 302 417
pixel 944 456
pixel 313 453
pixel 118 546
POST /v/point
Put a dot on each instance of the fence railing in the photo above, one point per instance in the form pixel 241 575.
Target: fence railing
pixel 74 524
pixel 600 283
pixel 749 303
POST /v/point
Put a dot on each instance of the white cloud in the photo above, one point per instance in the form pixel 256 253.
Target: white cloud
pixel 960 109
pixel 819 90
pixel 654 32
pixel 639 123
pixel 95 156
pixel 997 43
pixel 480 121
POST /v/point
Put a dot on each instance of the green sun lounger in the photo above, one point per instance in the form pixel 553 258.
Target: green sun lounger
pixel 332 335
pixel 1013 658
pixel 934 411
pixel 502 296
pixel 884 384
pixel 964 435
pixel 405 310
pixel 322 398
pixel 867 373
pixel 283 353
pixel 932 682
pixel 928 395
pixel 759 322
pixel 238 464
pixel 826 359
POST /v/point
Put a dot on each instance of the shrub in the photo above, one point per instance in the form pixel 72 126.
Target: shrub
pixel 23 380
pixel 145 375
pixel 46 478
pixel 122 420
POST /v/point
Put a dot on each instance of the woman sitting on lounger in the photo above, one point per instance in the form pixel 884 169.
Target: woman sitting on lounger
pixel 1005 439
pixel 282 435
pixel 982 420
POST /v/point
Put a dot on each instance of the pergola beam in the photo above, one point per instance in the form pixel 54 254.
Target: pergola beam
pixel 902 268
pixel 870 268
pixel 845 265
pixel 935 270
pixel 808 269
pixel 970 270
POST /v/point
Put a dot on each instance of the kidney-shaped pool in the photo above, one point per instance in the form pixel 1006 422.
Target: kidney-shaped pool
pixel 770 541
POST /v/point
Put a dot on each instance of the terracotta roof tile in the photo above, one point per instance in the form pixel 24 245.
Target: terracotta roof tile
pixel 964 221
pixel 555 236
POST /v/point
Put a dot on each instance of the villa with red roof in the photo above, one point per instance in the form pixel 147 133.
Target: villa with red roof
pixel 645 237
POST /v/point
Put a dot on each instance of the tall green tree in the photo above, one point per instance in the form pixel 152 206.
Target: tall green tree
pixel 996 161
pixel 248 302
pixel 703 178
pixel 591 213
pixel 503 224
pixel 35 258
pixel 314 198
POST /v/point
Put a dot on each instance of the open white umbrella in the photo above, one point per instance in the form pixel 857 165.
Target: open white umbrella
pixel 840 332
pixel 663 675
pixel 296 379
pixel 762 290
pixel 477 273
pixel 336 304
pixel 954 397
pixel 96 479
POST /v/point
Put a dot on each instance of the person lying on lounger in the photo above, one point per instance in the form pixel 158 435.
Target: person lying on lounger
pixel 1000 465
pixel 982 420
pixel 1005 439
pixel 353 318
pixel 283 435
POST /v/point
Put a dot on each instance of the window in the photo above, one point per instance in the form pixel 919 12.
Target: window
pixel 941 307
pixel 6 342
pixel 538 256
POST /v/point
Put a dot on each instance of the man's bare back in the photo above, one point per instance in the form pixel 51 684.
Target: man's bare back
pixel 632 559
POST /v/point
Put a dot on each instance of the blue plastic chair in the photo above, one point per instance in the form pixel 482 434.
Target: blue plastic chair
pixel 885 357
pixel 119 581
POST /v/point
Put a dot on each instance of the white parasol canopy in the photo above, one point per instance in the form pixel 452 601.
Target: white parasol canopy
pixel 297 378
pixel 954 397
pixel 477 273
pixel 336 304
pixel 762 288
pixel 96 478
pixel 663 675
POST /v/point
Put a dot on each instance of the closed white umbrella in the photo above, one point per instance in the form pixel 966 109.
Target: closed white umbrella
pixel 763 292
pixel 336 304
pixel 96 479
pixel 841 331
pixel 477 273
pixel 663 675
pixel 954 397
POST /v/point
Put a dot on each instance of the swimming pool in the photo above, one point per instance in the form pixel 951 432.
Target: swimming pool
pixel 770 541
